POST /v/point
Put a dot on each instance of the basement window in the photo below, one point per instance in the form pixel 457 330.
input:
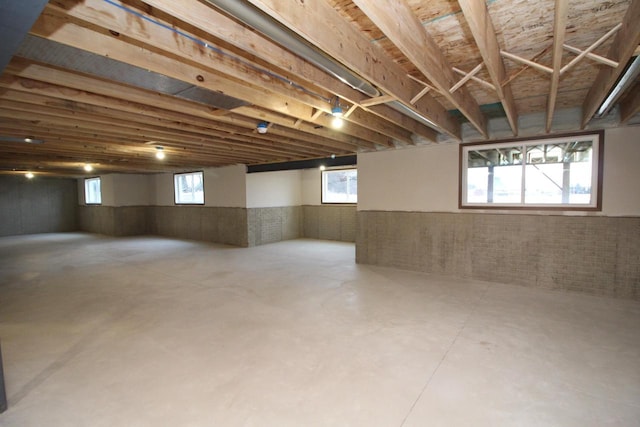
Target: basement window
pixel 562 173
pixel 189 188
pixel 340 186
pixel 92 191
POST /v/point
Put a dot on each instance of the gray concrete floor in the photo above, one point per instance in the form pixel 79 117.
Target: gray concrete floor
pixel 158 332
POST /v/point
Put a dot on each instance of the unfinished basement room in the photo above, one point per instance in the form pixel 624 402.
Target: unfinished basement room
pixel 310 213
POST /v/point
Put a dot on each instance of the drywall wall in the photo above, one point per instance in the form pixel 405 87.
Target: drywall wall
pixel 311 187
pixel 425 179
pixel 40 205
pixel 415 179
pixel 223 187
pixel 620 192
pixel 122 190
pixel 274 189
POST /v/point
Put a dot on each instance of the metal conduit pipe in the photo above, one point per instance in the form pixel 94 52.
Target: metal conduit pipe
pixel 254 18
pixel 623 84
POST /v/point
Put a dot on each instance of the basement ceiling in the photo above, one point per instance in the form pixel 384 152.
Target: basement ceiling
pixel 105 82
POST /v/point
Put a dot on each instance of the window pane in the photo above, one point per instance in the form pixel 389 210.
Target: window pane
pixel 507 184
pixel 477 185
pixel 92 192
pixel 556 171
pixel 340 186
pixel 189 188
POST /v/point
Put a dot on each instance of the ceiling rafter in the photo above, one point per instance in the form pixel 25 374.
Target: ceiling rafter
pixel 207 19
pixel 95 12
pixel 309 20
pixel 559 29
pixel 622 48
pixel 477 16
pixel 418 46
pixel 587 51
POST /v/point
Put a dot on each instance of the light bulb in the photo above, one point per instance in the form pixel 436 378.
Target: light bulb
pixel 337 122
pixel 88 167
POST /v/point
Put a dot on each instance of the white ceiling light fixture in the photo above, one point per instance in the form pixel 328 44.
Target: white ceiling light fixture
pixel 88 167
pixel 337 113
pixel 262 127
pixel 160 153
pixel 29 175
pixel 322 167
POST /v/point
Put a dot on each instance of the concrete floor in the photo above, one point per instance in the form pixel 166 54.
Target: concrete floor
pixel 158 332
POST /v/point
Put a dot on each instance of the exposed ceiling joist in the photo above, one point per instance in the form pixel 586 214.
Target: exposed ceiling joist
pixel 419 47
pixel 310 20
pixel 624 45
pixel 484 34
pixel 559 28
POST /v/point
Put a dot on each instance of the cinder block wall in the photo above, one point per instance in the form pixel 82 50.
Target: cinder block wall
pixel 40 205
pixel 114 221
pixel 269 225
pixel 211 224
pixel 329 222
pixel 597 255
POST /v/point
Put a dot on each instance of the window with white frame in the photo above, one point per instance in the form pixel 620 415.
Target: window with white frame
pixel 340 186
pixel 558 173
pixel 92 191
pixel 189 188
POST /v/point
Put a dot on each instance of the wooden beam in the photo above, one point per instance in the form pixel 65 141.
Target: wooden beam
pixel 423 52
pixel 591 55
pixel 559 29
pixel 42 80
pixel 466 77
pixel 377 100
pixel 481 25
pixel 531 64
pixel 624 44
pixel 630 104
pixel 420 94
pixel 310 21
pixel 587 51
pixel 476 79
pixel 291 66
pixel 207 69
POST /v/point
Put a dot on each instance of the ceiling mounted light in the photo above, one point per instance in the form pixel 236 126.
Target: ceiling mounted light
pixel 336 109
pixel 160 153
pixel 88 167
pixel 337 122
pixel 262 127
pixel 27 140
pixel 322 167
pixel 29 175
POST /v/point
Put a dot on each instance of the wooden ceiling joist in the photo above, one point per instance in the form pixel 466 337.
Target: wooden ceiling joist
pixel 630 105
pixel 559 28
pixel 419 47
pixel 207 19
pixel 309 20
pixel 624 45
pixel 588 52
pixel 211 77
pixel 477 16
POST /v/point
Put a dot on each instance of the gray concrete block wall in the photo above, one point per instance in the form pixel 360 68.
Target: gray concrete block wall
pixel 329 222
pixel 597 255
pixel 211 224
pixel 269 225
pixel 39 205
pixel 114 221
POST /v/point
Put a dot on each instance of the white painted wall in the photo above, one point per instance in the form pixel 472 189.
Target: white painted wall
pixel 312 187
pixel 620 191
pixel 416 179
pixel 223 187
pixel 274 189
pixel 425 179
pixel 122 190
